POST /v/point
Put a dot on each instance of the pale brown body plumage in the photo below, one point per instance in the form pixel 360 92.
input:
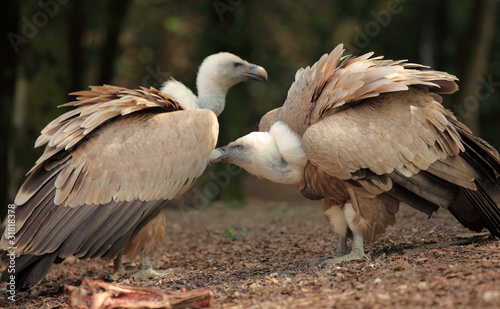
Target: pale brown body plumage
pixel 147 239
pixel 375 134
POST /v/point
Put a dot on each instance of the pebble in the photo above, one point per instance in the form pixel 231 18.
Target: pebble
pixel 491 296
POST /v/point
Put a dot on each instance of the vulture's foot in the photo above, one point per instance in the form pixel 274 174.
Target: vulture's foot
pixel 353 256
pixel 118 269
pixel 117 274
pixel 341 251
pixel 319 260
pixel 149 273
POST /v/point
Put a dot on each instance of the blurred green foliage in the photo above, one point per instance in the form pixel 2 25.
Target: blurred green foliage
pixel 233 233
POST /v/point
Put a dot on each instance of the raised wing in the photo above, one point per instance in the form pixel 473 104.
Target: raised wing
pixel 336 82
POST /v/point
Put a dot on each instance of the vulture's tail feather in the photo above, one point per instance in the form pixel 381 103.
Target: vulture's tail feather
pixel 481 155
pixel 408 197
pixel 488 209
pixel 476 210
pixel 30 269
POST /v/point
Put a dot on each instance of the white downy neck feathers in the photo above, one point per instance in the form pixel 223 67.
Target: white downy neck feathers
pixel 217 73
pixel 289 144
pixel 276 155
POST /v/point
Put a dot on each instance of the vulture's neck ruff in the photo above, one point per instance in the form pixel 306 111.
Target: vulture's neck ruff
pixel 293 157
pixel 276 155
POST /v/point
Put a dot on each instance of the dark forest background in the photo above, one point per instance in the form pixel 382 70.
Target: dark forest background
pixel 52 47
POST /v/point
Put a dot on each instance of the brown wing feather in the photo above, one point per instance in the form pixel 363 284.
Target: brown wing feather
pixel 94 108
pixel 404 131
pixel 112 181
pixel 336 82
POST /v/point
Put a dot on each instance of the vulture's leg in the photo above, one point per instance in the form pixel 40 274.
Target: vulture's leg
pixel 335 218
pixel 118 269
pixel 357 251
pixel 337 221
pixel 147 270
pixel 342 246
pixel 145 261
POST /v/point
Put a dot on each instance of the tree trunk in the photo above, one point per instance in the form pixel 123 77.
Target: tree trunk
pixel 116 13
pixel 476 46
pixel 76 20
pixel 428 31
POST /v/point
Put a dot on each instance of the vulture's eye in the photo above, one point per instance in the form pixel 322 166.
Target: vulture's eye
pixel 237 64
pixel 239 147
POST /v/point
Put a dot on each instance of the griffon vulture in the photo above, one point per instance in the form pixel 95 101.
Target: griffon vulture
pixel 111 163
pixel 364 135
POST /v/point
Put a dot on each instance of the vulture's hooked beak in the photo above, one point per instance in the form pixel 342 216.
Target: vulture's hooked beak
pixel 256 72
pixel 219 155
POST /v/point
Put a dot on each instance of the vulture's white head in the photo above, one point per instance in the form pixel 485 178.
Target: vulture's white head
pixel 218 73
pixel 276 155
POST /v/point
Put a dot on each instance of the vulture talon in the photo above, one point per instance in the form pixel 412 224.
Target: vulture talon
pixel 118 274
pixel 118 268
pixel 353 256
pixel 151 273
pixel 317 261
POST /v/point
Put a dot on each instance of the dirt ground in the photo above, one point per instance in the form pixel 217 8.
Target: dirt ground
pixel 254 257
